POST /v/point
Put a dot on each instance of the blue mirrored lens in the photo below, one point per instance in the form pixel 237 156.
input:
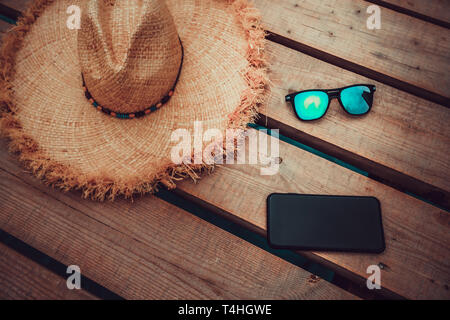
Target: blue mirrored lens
pixel 311 105
pixel 357 100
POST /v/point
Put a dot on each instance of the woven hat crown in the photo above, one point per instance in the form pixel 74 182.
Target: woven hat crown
pixel 129 51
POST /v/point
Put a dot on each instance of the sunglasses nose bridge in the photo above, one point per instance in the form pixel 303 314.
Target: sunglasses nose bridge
pixel 332 94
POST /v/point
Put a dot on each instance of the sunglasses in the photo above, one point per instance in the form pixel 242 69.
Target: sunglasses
pixel 313 104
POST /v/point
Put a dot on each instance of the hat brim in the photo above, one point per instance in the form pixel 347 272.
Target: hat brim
pixel 65 141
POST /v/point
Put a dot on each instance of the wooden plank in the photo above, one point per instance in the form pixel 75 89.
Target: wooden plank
pixel 18 5
pixel 417 257
pixel 402 132
pixel 4 26
pixel 147 249
pixel 407 49
pixel 24 279
pixel 402 49
pixel 436 9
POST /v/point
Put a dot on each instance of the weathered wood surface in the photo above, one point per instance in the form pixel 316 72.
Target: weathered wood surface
pixel 417 254
pixel 213 246
pixel 22 278
pixel 18 5
pixel 437 9
pixel 417 257
pixel 402 49
pixel 147 248
pixel 402 132
pixel 4 26
pixel 405 48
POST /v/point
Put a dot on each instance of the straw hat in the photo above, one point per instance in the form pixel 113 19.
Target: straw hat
pixel 94 108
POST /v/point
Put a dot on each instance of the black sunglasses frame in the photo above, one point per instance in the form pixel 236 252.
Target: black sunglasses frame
pixel 332 94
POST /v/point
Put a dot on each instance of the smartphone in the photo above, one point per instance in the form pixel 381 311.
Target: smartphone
pixel 325 223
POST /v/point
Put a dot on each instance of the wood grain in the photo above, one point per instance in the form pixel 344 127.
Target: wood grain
pixel 401 50
pixel 4 26
pixel 437 9
pixel 417 257
pixel 402 132
pixel 192 259
pixel 407 134
pixel 408 49
pixel 18 5
pixel 416 260
pixel 24 279
pixel 147 249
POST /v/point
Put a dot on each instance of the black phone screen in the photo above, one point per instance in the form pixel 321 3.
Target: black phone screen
pixel 329 223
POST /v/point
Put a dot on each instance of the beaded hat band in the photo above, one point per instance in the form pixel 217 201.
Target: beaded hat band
pixel 141 113
pixel 130 73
